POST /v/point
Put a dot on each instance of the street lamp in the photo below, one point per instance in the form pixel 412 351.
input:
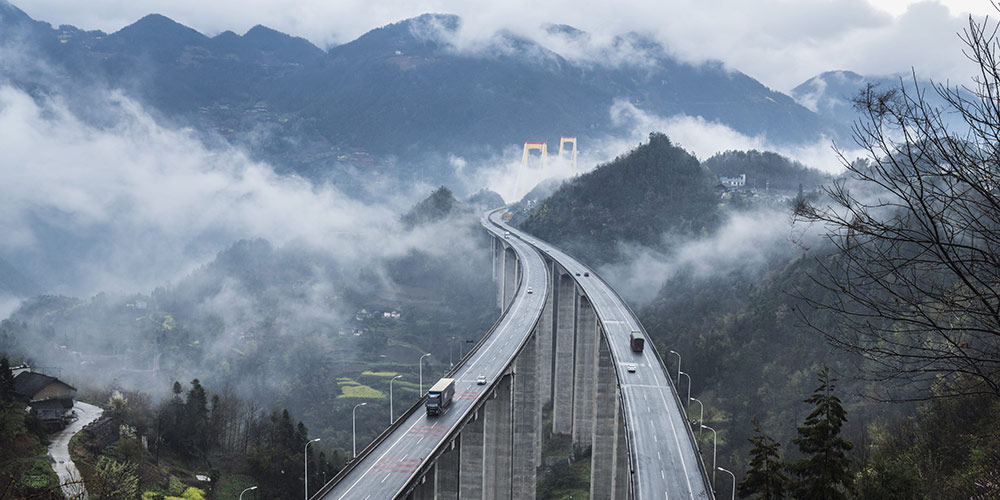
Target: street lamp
pixel 678 365
pixel 461 354
pixel 246 490
pixel 701 416
pixel 421 363
pixel 392 416
pixel 451 349
pixel 679 373
pixel 715 445
pixel 734 481
pixel 354 429
pixel 305 459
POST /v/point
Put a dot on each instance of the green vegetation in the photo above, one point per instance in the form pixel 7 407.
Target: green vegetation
pixel 196 432
pixel 353 389
pixel 766 170
pixel 655 189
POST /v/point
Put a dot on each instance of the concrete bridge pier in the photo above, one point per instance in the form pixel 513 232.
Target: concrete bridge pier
pixel 562 381
pixel 471 452
pixel 510 275
pixel 425 487
pixel 498 442
pixel 448 471
pixel 605 439
pixel 526 443
pixel 585 375
pixel 623 477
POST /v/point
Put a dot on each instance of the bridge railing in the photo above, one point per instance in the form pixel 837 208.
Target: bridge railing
pixel 694 443
pixel 418 405
pixel 430 459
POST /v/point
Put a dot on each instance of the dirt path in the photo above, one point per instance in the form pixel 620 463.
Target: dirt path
pixel 69 476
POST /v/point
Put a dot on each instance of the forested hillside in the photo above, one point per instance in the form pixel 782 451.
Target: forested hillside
pixel 766 170
pixel 636 199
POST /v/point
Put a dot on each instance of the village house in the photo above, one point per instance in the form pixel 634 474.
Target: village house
pixel 46 398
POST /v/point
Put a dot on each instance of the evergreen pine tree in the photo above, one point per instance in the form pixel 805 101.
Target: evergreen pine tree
pixel 824 473
pixel 6 381
pixel 765 479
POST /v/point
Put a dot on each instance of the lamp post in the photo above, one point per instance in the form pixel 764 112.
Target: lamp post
pixel 392 416
pixel 461 354
pixel 354 429
pixel 734 481
pixel 305 460
pixel 715 444
pixel 246 490
pixel 451 349
pixel 701 416
pixel 421 363
pixel 678 365
pixel 679 373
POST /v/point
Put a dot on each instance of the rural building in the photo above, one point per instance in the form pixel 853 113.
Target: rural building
pixel 46 398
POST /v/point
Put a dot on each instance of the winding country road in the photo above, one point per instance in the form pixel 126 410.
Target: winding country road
pixel 68 474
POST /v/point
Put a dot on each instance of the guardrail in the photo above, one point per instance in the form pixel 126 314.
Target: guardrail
pixel 367 450
pixel 436 451
pixel 663 366
pixel 674 392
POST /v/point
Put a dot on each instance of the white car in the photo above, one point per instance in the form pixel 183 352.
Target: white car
pixel 481 380
pixel 630 367
pixel 531 290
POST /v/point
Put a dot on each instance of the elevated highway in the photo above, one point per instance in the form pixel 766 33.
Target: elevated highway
pixel 562 342
pixel 663 453
pixel 418 456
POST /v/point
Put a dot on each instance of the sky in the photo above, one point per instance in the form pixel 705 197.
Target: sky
pixel 779 42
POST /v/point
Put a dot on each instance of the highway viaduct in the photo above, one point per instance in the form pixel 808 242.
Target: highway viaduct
pixel 562 340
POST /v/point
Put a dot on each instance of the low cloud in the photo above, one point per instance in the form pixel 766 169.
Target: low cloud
pixel 135 204
pixel 778 42
pixel 705 138
pixel 745 242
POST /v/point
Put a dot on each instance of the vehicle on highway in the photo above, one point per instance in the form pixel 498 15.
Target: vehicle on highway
pixel 577 274
pixel 637 340
pixel 630 367
pixel 586 275
pixel 506 234
pixel 531 290
pixel 481 380
pixel 440 396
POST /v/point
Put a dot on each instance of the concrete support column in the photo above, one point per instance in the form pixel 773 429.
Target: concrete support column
pixel 501 265
pixel 545 338
pixel 425 487
pixel 470 475
pixel 498 443
pixel 623 473
pixel 447 468
pixel 526 409
pixel 602 459
pixel 493 250
pixel 562 381
pixel 545 330
pixel 509 276
pixel 585 376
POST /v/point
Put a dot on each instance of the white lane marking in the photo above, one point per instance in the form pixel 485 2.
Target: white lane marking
pixel 661 474
pixel 384 478
pixel 515 312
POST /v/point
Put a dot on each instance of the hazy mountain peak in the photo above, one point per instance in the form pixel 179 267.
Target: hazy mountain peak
pixel 156 27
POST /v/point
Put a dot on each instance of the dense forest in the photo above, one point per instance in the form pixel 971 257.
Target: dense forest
pixel 755 337
pixel 266 326
pixel 655 190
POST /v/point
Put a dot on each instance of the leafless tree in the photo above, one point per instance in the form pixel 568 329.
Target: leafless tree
pixel 915 284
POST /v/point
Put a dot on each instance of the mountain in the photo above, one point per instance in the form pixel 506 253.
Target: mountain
pixel 656 189
pixel 403 90
pixel 766 170
pixel 830 94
